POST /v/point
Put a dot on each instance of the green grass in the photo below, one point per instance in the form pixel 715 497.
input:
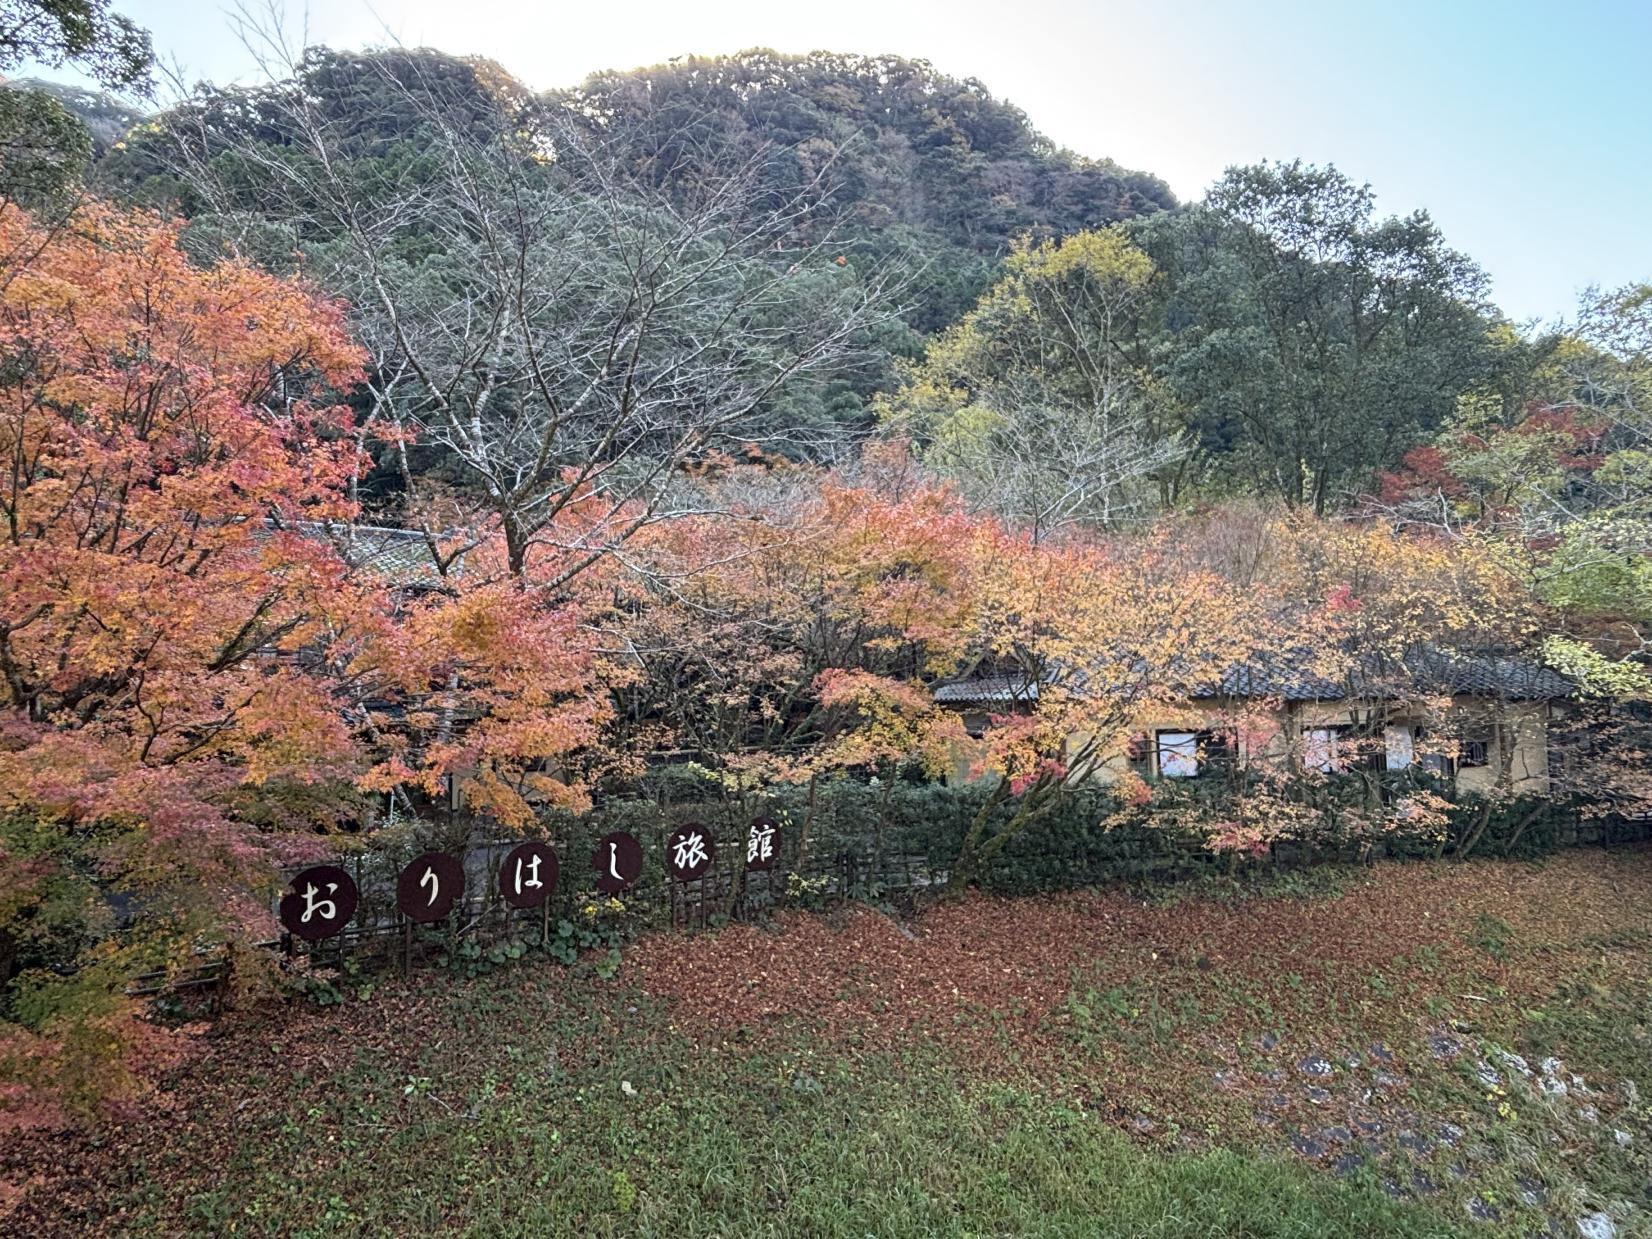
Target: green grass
pixel 1158 1092
pixel 500 1125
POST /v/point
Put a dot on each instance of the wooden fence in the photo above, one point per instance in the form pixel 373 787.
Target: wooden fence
pixel 379 933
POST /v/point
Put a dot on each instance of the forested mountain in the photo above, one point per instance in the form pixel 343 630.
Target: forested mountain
pixel 902 161
pixel 916 159
pixel 1278 338
pixel 107 117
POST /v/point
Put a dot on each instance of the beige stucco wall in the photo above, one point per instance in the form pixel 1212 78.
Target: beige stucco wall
pixel 1518 732
pixel 1521 735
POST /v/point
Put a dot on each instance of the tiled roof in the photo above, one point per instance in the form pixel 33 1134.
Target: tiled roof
pixel 1497 675
pixel 1488 675
pixel 401 556
pixel 987 690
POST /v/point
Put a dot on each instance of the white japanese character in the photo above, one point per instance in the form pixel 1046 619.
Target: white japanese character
pixel 533 874
pixel 690 851
pixel 314 906
pixel 760 842
pixel 435 884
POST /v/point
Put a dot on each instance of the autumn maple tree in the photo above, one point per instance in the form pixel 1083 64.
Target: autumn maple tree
pixel 196 685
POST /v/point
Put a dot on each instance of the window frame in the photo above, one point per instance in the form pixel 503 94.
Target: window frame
pixel 1191 756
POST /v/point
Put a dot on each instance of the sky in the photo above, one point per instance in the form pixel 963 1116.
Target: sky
pixel 1522 127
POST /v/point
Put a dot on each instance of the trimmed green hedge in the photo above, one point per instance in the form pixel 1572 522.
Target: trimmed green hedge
pixel 872 839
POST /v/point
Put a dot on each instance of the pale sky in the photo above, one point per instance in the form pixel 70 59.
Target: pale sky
pixel 1521 126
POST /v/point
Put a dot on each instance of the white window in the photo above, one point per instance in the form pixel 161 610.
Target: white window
pixel 1178 754
pixel 1400 747
pixel 1319 749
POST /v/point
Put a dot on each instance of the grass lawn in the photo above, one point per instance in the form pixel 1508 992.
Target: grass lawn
pixel 1409 1050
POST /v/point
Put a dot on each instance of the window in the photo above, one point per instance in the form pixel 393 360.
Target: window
pixel 1217 748
pixel 1399 747
pixel 1473 751
pixel 1319 749
pixel 1178 754
pixel 1335 750
pixel 1426 755
pixel 975 723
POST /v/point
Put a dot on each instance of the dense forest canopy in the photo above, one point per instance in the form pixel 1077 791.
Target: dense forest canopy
pixel 577 300
pixel 903 168
pixel 1290 341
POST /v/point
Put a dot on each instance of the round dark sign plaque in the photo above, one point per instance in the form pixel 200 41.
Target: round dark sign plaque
pixel 429 887
pixel 320 904
pixel 528 875
pixel 762 843
pixel 690 852
pixel 618 862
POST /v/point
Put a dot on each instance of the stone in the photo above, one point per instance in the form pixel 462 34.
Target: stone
pixel 1597 1226
pixel 1317 1066
pixel 1413 1143
pixel 1381 1052
pixel 1347 1164
pixel 1480 1211
pixel 1307 1146
pixel 1449 1133
pixel 1513 1062
pixel 1531 1191
pixel 1267 1043
pixel 1487 1074
pixel 1443 1045
pixel 1316 1095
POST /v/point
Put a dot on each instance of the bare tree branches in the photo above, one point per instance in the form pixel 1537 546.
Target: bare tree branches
pixel 565 323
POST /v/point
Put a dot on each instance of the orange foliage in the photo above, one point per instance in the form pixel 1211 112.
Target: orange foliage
pixel 177 643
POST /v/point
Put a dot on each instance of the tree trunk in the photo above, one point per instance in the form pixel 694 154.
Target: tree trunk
pixel 968 860
pixel 1472 839
pixel 1520 828
pixel 808 825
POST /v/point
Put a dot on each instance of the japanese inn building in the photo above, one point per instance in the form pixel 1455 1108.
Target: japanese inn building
pixel 1501 711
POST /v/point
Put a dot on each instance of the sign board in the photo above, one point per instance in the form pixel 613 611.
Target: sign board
pixel 618 862
pixel 320 904
pixel 762 843
pixel 690 851
pixel 429 887
pixel 528 876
